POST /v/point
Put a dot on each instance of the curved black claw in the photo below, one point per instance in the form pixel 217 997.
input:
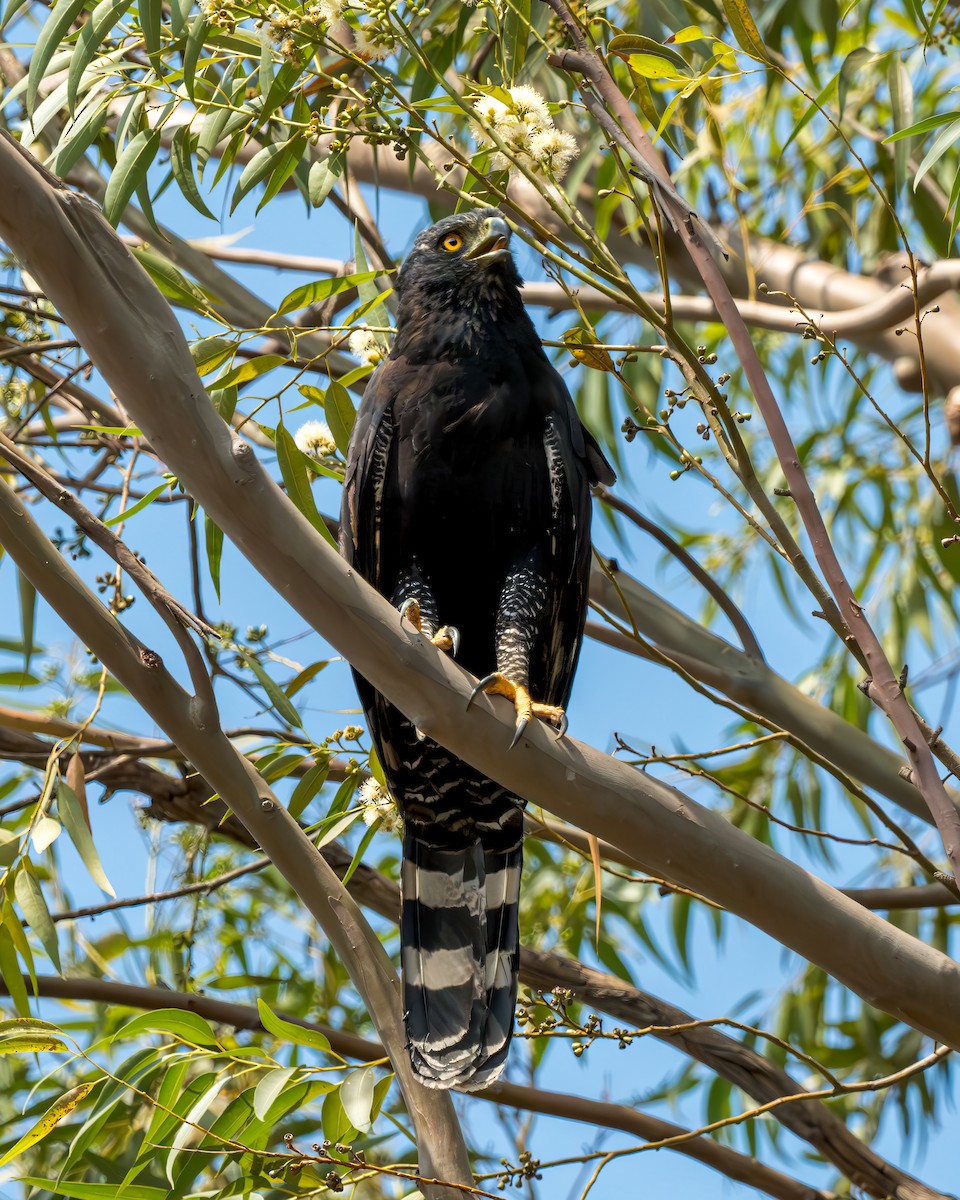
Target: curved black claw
pixel 518 733
pixel 484 683
pixel 562 727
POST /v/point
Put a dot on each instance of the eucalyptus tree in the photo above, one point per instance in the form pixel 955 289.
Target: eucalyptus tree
pixel 739 227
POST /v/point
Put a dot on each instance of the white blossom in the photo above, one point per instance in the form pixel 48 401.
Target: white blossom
pixel 527 131
pixel 378 805
pixel 327 10
pixel 364 345
pixel 314 438
pixel 530 107
pixel 373 42
pixel 554 150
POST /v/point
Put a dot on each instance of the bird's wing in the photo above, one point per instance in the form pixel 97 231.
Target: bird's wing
pixel 368 461
pixel 575 462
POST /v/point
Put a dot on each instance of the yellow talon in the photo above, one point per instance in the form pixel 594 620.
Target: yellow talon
pixel 499 685
pixel 447 637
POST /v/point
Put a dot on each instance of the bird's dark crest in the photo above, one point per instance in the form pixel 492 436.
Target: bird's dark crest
pixel 467 490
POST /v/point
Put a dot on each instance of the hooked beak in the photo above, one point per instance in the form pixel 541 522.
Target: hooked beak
pixel 493 244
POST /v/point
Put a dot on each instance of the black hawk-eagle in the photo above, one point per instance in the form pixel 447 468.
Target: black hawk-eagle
pixel 466 503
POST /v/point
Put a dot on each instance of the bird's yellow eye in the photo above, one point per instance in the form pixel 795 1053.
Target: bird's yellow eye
pixel 452 242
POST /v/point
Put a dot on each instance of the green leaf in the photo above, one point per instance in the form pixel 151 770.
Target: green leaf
pixel 263 164
pixel 302 678
pixel 114 430
pixel 171 282
pixel 129 173
pixel 31 1043
pixel 17 679
pixel 251 369
pixel 850 70
pixel 322 176
pixel 213 538
pixel 28 616
pixel 17 1026
pixel 293 467
pixel 44 833
pixel 187 1130
pixel 141 504
pixel 340 415
pixel 650 59
pixel 923 126
pixel 211 352
pixel 901 105
pixel 26 888
pixel 48 1122
pixel 10 11
pixel 356 1096
pixel 322 289
pixel 181 163
pixel 283 169
pixel 97 1191
pixel 514 39
pixel 62 16
pixel 371 300
pixel 361 851
pixel 289 1032
pixel 307 787
pixel 269 1088
pixel 941 144
pixel 196 39
pixel 95 29
pixel 11 973
pixel 75 823
pixel 216 118
pixel 10 920
pixel 744 29
pixel 151 15
pixel 812 110
pixel 274 692
pixel 335 1122
pixel 78 134
pixel 186 1026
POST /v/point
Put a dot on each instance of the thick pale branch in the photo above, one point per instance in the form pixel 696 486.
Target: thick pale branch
pixel 885 311
pixel 718 664
pixel 129 330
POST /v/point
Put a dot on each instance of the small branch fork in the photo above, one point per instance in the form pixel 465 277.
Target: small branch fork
pixel 619 121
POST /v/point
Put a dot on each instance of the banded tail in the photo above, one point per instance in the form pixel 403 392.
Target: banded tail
pixel 461 952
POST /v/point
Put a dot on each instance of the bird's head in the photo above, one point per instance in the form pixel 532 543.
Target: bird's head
pixel 465 257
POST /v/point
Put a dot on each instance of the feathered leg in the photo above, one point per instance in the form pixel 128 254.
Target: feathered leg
pixel 518 622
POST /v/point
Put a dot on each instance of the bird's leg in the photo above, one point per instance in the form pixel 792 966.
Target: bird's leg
pixel 418 607
pixel 518 619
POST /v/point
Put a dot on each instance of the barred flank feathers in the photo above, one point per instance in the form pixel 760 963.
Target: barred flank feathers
pixel 461 950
